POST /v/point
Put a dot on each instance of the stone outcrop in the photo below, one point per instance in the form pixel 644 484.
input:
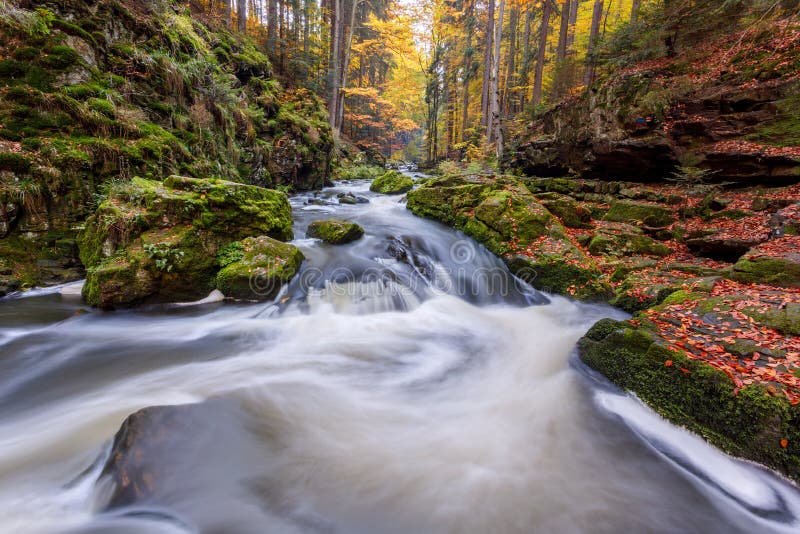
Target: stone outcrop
pixel 154 242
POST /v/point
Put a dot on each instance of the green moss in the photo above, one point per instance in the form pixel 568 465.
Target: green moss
pixel 264 267
pixel 626 244
pixel 335 231
pixel 392 183
pixel 101 105
pixel 17 163
pixel 628 211
pixel 784 131
pixel 761 269
pixel 60 57
pixel 750 424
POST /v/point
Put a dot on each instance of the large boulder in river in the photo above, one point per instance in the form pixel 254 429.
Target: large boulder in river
pixel 257 267
pixel 391 183
pixel 157 242
pixel 503 215
pixel 335 231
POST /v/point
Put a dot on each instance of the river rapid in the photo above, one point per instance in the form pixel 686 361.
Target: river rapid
pixel 404 383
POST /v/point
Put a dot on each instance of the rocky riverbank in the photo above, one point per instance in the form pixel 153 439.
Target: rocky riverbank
pixel 712 277
pixel 94 94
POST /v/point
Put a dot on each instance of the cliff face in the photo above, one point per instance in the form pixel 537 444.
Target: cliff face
pixel 100 91
pixel 728 110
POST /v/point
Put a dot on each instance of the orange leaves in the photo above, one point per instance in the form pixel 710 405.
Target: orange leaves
pixel 732 341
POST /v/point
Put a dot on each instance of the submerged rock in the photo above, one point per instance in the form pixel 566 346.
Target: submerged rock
pixel 158 242
pixel 335 231
pixel 392 183
pixel 257 267
pixel 504 216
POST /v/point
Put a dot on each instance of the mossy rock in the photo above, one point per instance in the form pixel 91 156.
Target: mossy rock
pixel 504 216
pixel 760 268
pixel 154 242
pixel 391 183
pixel 691 393
pixel 572 213
pixel 628 211
pixel 257 267
pixel 625 240
pixel 335 231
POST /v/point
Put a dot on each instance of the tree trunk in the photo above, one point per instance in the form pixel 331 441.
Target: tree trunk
pixel 346 63
pixel 241 15
pixel 541 54
pixel 467 69
pixel 334 73
pixel 563 34
pixel 272 26
pixel 511 70
pixel 524 75
pixel 597 14
pixel 496 130
pixel 635 10
pixel 226 12
pixel 573 19
pixel 487 66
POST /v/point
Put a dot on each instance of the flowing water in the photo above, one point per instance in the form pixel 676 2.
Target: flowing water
pixel 403 383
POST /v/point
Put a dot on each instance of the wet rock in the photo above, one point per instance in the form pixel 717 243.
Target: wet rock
pixel 391 183
pixel 746 422
pixel 257 267
pixel 335 231
pixel 503 215
pixel 159 242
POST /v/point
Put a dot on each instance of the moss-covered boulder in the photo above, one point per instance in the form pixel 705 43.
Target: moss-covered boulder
pixel 152 241
pixel 570 212
pixel 335 231
pixel 629 211
pixel 775 263
pixel 257 267
pixel 619 239
pixel 502 214
pixel 748 421
pixel 392 183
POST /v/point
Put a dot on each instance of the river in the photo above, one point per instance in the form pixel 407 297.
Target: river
pixel 402 383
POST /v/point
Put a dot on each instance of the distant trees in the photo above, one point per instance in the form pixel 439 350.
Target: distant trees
pixel 473 66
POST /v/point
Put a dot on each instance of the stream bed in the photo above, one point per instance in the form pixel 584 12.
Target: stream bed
pixel 402 383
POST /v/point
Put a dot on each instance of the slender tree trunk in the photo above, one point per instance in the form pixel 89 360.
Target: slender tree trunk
pixel 241 15
pixel 306 27
pixel 597 14
pixel 511 67
pixel 496 130
pixel 487 66
pixel 226 12
pixel 541 54
pixel 468 71
pixel 563 34
pixel 335 15
pixel 272 26
pixel 573 19
pixel 346 63
pixel 635 10
pixel 524 76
